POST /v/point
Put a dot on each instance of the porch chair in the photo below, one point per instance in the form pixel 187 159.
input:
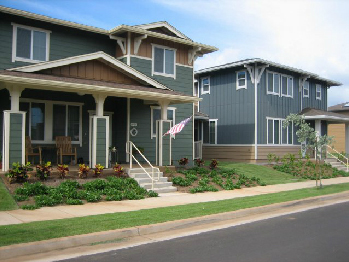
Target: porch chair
pixel 29 150
pixel 64 148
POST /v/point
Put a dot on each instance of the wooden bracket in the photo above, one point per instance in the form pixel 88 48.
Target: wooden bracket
pixel 193 54
pixel 137 43
pixel 121 42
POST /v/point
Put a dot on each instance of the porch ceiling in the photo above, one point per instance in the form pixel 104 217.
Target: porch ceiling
pixel 86 86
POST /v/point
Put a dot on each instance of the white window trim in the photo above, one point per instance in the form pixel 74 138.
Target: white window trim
pixel 237 80
pixel 288 77
pixel 280 132
pixel 48 130
pixel 308 88
pixel 209 135
pixel 151 118
pixel 202 85
pixel 14 43
pixel 153 61
pixel 320 91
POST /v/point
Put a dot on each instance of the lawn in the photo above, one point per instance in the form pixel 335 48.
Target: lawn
pixel 265 173
pixel 6 200
pixel 42 230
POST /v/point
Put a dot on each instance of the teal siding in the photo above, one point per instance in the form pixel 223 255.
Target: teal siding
pixel 16 142
pixel 101 141
pixel 64 42
pixel 182 145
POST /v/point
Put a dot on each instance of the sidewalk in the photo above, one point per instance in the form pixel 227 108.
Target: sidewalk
pixel 171 199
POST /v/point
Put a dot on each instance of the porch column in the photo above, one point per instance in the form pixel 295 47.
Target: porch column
pixel 318 127
pixel 163 147
pixel 347 138
pixel 100 134
pixel 13 148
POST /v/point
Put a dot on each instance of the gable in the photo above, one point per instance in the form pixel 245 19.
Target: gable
pixel 92 70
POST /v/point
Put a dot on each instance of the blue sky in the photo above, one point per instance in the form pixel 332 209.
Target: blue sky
pixel 307 34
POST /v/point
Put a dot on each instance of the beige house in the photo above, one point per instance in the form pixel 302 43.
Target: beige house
pixel 338 130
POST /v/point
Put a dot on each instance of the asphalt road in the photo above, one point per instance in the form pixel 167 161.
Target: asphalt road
pixel 320 234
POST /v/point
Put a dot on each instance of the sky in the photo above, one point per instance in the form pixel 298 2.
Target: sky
pixel 311 35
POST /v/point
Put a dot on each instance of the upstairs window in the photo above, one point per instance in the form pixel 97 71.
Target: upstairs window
pixel 30 44
pixel 318 92
pixel 306 89
pixel 205 85
pixel 273 83
pixel 241 80
pixel 164 61
pixel 286 86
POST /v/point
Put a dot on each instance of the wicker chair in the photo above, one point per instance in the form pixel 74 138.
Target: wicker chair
pixel 64 148
pixel 29 150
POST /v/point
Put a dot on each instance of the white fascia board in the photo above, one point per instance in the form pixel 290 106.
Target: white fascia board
pixel 325 117
pixel 163 24
pixel 133 29
pixel 43 84
pixel 87 57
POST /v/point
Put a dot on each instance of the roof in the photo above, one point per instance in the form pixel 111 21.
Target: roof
pixel 201 116
pixel 317 114
pixel 113 62
pixel 139 29
pixel 86 86
pixel 339 107
pixel 262 61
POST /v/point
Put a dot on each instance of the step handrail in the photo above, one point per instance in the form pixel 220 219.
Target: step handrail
pixel 347 160
pixel 129 146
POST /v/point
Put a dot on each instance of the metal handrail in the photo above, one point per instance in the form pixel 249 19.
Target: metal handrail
pixel 346 164
pixel 129 146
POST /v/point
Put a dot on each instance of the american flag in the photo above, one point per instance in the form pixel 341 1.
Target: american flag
pixel 178 128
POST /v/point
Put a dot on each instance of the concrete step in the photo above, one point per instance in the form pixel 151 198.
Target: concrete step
pixel 157 185
pixel 140 170
pixel 144 175
pixel 148 180
pixel 165 189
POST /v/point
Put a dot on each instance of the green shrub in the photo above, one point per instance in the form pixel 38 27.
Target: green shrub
pixel 98 184
pixel 20 198
pixel 151 193
pixel 71 201
pixel 32 189
pixel 93 196
pixel 29 207
pixel 45 200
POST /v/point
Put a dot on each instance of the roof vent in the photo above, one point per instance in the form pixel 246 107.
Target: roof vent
pixel 346 105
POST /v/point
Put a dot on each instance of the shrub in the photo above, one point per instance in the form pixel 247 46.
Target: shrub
pixel 114 197
pixel 43 171
pixel 93 196
pixel 96 185
pixel 199 162
pixel 98 170
pixel 45 200
pixel 183 161
pixel 181 181
pixel 213 164
pixel 71 201
pixel 29 207
pixel 18 173
pixel 63 170
pixel 20 198
pixel 83 170
pixel 151 193
pixel 32 189
pixel 119 170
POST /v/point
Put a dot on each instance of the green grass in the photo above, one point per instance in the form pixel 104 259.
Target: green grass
pixel 35 231
pixel 6 200
pixel 266 174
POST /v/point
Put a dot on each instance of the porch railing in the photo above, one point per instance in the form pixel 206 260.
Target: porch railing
pixel 198 149
pixel 129 150
pixel 339 156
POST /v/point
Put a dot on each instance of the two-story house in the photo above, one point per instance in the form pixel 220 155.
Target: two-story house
pixel 99 87
pixel 244 105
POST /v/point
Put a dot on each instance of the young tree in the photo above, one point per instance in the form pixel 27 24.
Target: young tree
pixel 306 134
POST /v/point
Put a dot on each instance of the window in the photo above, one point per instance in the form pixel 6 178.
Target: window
pixel 306 89
pixel 286 86
pixel 210 131
pixel 156 115
pixel 277 134
pixel 164 61
pixel 30 44
pixel 205 85
pixel 273 83
pixel 318 92
pixel 279 84
pixel 48 119
pixel 241 80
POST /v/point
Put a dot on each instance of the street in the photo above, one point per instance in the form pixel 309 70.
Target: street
pixel 320 234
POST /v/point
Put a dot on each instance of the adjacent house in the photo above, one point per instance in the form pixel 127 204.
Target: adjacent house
pixel 244 104
pixel 102 88
pixel 340 130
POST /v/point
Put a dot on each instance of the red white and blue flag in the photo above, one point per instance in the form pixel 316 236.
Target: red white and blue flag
pixel 178 128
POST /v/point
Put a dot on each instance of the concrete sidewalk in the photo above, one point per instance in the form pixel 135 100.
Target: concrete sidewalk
pixel 171 199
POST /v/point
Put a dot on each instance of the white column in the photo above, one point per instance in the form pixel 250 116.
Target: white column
pixel 164 106
pixel 347 138
pixel 99 99
pixel 15 93
pixel 318 127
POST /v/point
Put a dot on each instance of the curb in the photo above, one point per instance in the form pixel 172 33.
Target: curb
pixel 17 250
